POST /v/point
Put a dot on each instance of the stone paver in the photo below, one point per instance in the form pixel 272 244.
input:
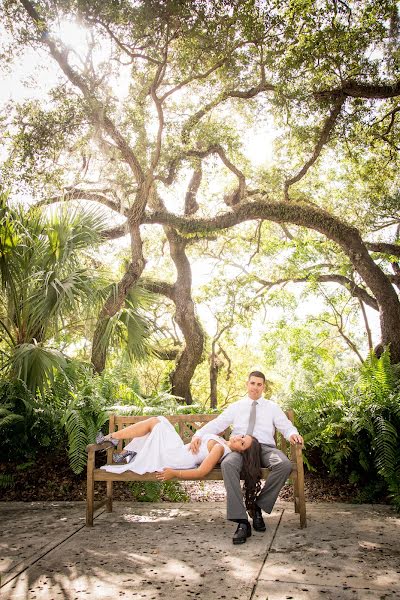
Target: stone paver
pixel 347 551
pixel 30 529
pixel 182 551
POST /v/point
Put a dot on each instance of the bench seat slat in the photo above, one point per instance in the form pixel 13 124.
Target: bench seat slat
pixel 215 474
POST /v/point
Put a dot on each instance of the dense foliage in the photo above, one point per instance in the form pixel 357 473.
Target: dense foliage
pixel 351 426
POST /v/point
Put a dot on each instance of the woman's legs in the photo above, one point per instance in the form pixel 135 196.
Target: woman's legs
pixel 135 430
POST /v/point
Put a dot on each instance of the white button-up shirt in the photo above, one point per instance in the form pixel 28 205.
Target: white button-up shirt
pixel 269 416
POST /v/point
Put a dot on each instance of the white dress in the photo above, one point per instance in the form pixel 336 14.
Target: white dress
pixel 162 448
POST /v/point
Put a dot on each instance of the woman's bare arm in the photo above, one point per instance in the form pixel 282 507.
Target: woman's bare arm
pixel 203 469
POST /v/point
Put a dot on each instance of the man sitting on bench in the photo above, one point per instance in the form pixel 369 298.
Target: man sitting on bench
pixel 256 416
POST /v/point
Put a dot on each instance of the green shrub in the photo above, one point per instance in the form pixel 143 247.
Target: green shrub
pixel 26 423
pixel 155 491
pixel 351 425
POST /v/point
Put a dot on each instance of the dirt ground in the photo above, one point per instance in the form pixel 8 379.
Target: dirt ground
pixel 50 478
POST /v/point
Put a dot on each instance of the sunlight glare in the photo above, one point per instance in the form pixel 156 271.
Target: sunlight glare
pixel 74 36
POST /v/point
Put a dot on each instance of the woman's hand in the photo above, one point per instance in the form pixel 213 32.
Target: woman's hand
pixel 166 474
pixel 194 445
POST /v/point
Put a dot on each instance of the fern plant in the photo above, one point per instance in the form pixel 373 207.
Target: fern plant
pixel 6 480
pixel 82 420
pixel 380 414
pixel 352 425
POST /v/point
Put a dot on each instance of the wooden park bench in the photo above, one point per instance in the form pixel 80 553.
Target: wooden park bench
pixel 186 426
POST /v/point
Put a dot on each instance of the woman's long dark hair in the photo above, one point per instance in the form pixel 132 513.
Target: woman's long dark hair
pixel 251 473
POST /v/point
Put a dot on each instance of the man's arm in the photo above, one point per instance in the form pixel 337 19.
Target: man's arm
pixel 285 426
pixel 215 426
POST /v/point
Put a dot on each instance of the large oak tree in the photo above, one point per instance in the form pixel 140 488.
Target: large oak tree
pixel 327 73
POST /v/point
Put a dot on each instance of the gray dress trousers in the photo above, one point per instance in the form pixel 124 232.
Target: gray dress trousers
pixel 231 466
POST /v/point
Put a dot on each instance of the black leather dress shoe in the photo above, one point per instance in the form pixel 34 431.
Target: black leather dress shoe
pixel 258 521
pixel 241 534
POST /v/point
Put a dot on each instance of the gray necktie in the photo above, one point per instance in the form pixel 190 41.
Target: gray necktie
pixel 252 418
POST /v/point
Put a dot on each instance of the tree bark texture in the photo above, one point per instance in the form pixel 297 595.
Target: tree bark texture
pixel 185 316
pixel 213 377
pixel 116 300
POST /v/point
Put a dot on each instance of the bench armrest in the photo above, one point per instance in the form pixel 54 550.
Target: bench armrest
pixel 95 447
pixel 296 452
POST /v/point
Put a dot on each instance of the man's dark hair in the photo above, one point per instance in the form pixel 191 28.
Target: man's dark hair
pixel 257 374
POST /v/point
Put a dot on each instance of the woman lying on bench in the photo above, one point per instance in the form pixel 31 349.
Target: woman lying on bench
pixel 155 446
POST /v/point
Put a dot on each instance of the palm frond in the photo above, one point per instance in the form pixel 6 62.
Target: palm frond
pixel 36 365
pixel 130 328
pixel 69 230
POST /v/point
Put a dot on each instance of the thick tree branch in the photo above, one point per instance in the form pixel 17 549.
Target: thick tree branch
pixel 300 214
pixel 191 204
pixel 192 78
pixel 354 89
pixel 172 171
pixel 384 248
pixel 354 289
pixel 199 76
pixel 218 149
pixel 80 194
pixel 312 217
pixel 245 94
pixel 171 354
pixel 158 287
pixel 323 139
pixel 158 78
pixel 116 232
pixel 160 113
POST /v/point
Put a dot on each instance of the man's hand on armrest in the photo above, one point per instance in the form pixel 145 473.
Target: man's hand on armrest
pixel 195 444
pixel 295 438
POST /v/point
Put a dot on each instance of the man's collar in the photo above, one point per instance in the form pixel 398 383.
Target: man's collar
pixel 247 397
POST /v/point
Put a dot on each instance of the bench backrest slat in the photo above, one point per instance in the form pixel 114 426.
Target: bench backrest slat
pixel 186 425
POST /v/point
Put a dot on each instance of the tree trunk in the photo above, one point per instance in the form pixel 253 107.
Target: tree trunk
pixel 116 301
pixel 213 378
pixel 186 318
pixel 191 356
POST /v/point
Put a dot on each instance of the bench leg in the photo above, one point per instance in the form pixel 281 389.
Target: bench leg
pixel 296 494
pixel 90 493
pixel 300 490
pixel 303 514
pixel 109 503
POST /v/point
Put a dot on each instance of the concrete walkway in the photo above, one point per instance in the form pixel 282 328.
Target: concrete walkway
pixel 184 551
